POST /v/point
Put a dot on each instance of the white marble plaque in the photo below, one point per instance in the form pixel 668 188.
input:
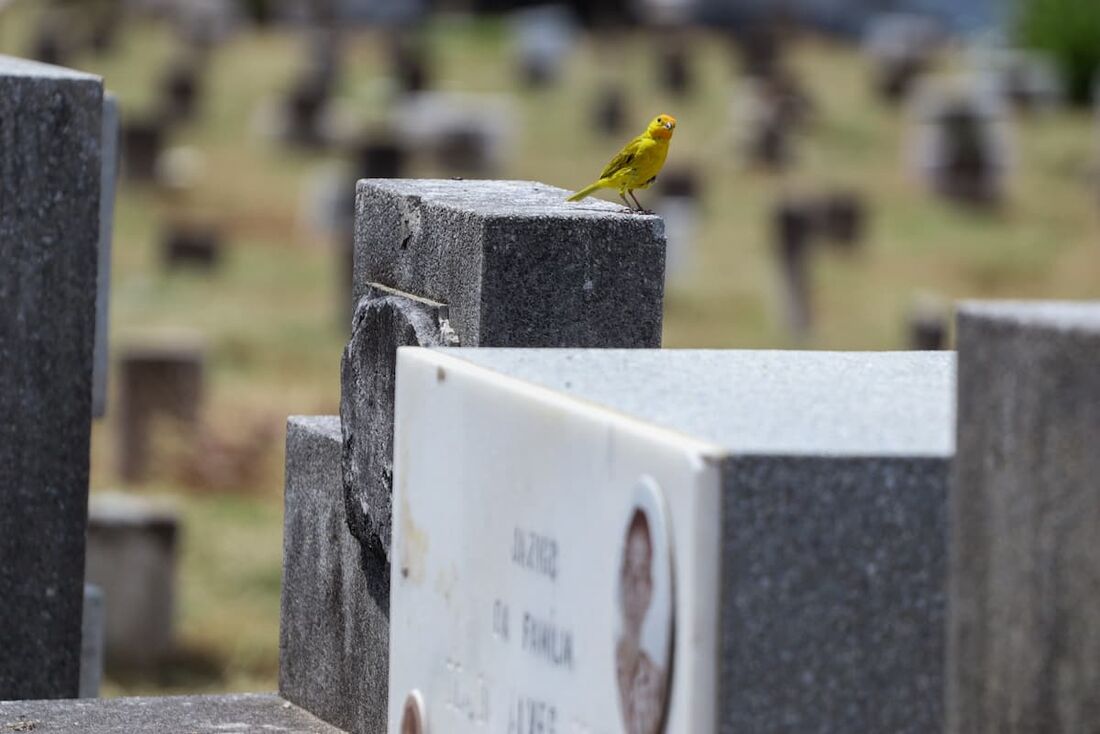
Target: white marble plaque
pixel 555 563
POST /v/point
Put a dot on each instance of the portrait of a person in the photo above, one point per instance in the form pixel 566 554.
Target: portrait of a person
pixel 641 680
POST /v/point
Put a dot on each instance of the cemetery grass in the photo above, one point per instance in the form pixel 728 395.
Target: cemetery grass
pixel 269 316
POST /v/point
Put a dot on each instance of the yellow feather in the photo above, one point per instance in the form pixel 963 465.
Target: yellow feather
pixel 635 166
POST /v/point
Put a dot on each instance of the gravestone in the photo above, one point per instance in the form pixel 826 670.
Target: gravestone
pixel 322 560
pixel 142 140
pixel 605 540
pixel 679 188
pixel 107 183
pixel 960 143
pixel 465 134
pixel 92 642
pixel 410 64
pixel 132 556
pixel 191 244
pixel 609 110
pixel 768 113
pixel 793 222
pixel 51 130
pixel 674 67
pixel 161 379
pixel 927 324
pixel 544 36
pixel 1025 507
pixel 842 218
pixel 901 48
pixel 436 262
pixel 180 89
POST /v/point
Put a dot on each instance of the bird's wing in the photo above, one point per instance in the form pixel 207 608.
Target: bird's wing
pixel 623 159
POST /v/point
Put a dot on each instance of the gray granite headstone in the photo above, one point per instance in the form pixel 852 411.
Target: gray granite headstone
pixel 513 263
pixel 110 159
pixel 334 636
pixel 50 170
pixel 832 561
pixel 132 556
pixel 1024 593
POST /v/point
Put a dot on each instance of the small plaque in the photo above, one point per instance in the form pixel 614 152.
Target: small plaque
pixel 544 575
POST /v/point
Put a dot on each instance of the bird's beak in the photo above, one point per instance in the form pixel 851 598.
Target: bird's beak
pixel 668 126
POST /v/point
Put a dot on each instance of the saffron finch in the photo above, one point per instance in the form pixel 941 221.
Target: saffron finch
pixel 637 164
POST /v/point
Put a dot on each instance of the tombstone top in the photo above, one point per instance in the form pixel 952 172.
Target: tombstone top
pixel 1058 315
pixel 767 403
pixel 122 510
pixel 13 67
pixel 511 199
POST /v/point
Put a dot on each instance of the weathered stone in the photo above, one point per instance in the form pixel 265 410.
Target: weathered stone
pixel 108 179
pixel 514 264
pixel 334 634
pixel 50 169
pixel 165 379
pixel 1024 593
pixel 132 557
pixel 247 712
pixel 384 320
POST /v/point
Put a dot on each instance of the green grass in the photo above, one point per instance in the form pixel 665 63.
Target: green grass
pixel 269 316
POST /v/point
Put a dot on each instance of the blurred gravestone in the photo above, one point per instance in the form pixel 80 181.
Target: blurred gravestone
pixel 50 41
pixel 927 324
pixel 679 188
pixel 466 134
pixel 960 143
pixel 132 557
pixel 50 172
pixel 410 63
pixel 304 104
pixel 142 140
pixel 180 89
pixel 164 379
pixel 1024 583
pixel 793 220
pixel 1026 80
pixel 760 49
pixel 768 113
pixel 92 641
pixel 544 37
pixel 609 110
pixel 842 218
pixel 190 244
pixel 674 66
pixel 901 47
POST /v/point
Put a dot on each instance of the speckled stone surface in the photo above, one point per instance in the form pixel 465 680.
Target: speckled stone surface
pixel 384 320
pixel 835 470
pixel 334 635
pixel 249 713
pixel 514 264
pixel 1023 652
pixel 50 137
pixel 517 264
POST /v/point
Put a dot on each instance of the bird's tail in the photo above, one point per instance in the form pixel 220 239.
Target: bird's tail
pixel 586 191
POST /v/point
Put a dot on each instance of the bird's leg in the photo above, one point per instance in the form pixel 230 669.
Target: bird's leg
pixel 628 206
pixel 641 208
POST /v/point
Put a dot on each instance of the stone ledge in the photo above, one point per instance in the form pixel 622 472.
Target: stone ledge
pixel 238 713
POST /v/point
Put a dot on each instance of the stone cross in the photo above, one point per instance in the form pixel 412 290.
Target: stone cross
pixel 51 137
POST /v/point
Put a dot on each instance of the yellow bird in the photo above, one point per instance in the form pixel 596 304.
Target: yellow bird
pixel 637 165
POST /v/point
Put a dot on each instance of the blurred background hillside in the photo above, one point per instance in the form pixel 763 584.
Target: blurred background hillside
pixel 839 175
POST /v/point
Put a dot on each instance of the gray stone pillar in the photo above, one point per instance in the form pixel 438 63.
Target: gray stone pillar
pixel 108 177
pixel 480 263
pixel 1024 592
pixel 50 140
